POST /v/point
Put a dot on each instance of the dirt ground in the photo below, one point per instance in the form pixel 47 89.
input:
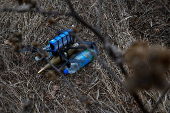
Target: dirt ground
pixel 123 22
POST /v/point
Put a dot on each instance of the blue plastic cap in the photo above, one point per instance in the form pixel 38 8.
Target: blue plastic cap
pixel 65 71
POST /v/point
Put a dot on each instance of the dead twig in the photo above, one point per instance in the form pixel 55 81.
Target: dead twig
pixel 35 10
pixel 99 16
pixel 139 102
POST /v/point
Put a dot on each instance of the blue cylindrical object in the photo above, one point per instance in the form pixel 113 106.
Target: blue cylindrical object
pixel 60 41
pixel 86 56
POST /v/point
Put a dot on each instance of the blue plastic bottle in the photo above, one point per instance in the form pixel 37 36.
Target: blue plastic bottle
pixel 85 55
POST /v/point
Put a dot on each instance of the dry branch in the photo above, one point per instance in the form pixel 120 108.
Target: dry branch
pixel 35 10
pixel 99 16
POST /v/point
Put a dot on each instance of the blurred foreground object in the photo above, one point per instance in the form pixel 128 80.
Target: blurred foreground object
pixel 51 75
pixel 149 64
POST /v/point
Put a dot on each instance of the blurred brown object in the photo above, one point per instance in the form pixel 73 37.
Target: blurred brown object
pixel 137 54
pixel 34 4
pixel 35 44
pixel 15 38
pixel 18 35
pixel 45 53
pixel 149 64
pixel 51 21
pixel 38 55
pixel 159 60
pixel 51 75
pixel 75 30
pixel 16 48
pixel 20 2
pixel 85 100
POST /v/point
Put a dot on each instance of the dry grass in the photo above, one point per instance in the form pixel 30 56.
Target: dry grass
pixel 23 90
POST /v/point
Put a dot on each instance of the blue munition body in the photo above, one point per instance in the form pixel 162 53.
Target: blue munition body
pixel 61 40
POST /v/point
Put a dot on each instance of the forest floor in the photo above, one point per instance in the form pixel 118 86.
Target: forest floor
pixel 122 22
